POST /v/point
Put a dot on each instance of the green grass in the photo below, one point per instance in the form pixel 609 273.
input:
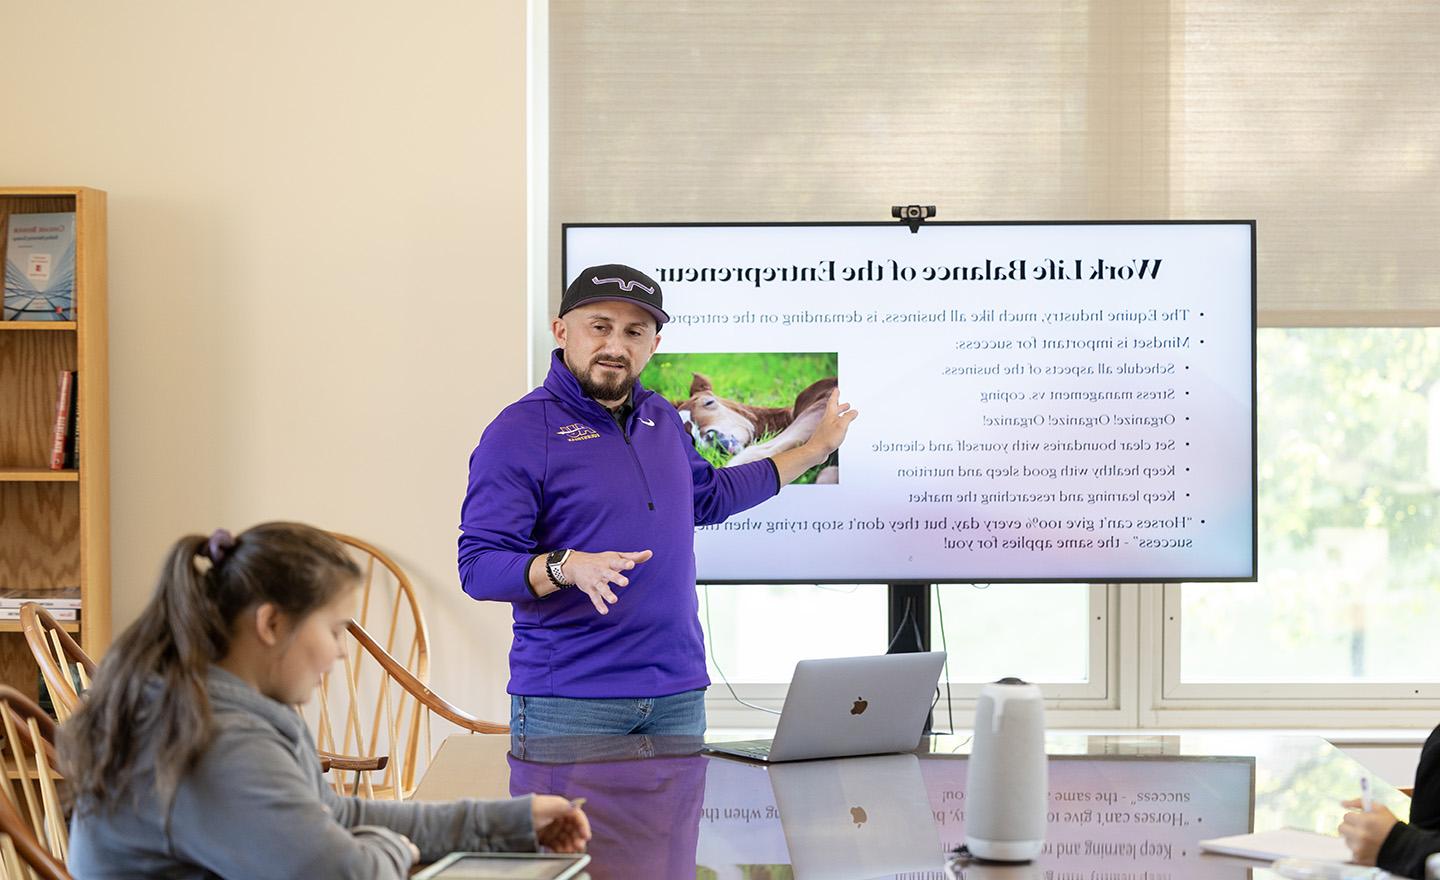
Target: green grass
pixel 754 378
pixel 758 379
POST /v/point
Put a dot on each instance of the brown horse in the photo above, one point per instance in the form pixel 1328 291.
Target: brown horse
pixel 736 427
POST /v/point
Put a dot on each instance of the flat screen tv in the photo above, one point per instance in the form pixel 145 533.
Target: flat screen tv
pixel 1038 401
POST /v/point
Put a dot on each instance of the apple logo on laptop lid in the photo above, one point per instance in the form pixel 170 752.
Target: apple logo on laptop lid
pixel 860 706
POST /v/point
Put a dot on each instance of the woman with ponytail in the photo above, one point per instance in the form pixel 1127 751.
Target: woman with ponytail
pixel 187 759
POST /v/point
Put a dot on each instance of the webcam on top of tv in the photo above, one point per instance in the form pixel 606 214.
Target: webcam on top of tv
pixel 912 215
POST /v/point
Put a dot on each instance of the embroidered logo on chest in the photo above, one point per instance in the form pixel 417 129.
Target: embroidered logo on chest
pixel 578 431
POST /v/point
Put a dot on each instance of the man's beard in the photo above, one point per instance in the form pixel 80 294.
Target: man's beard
pixel 600 389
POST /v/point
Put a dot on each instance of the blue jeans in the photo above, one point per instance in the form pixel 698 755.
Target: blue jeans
pixel 676 715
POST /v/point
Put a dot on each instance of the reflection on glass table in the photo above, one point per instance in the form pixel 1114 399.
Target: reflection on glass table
pixel 1119 805
pixel 856 817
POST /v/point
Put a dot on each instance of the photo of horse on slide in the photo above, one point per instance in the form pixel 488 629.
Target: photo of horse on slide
pixel 743 407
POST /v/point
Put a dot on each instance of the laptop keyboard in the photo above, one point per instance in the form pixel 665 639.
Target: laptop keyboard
pixel 757 748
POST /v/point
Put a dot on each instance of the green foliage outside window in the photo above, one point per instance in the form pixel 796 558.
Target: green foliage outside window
pixel 1348 527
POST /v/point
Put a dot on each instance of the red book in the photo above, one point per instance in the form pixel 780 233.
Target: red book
pixel 72 440
pixel 62 421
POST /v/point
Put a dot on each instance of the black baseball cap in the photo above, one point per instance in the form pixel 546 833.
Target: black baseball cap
pixel 613 281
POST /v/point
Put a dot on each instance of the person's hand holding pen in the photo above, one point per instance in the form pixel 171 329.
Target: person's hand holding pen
pixel 1366 826
pixel 560 825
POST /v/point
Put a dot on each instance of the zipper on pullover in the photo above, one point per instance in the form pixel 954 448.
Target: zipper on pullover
pixel 635 457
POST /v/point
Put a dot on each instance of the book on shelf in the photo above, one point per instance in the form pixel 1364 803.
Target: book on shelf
pixel 40 267
pixel 72 429
pixel 60 436
pixel 52 598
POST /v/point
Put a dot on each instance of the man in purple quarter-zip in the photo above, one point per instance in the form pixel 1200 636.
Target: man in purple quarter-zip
pixel 581 512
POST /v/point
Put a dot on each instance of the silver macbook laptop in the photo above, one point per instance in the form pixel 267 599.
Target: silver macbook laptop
pixel 857 818
pixel 849 706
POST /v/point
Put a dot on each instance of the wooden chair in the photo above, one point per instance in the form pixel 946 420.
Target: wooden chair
pixel 68 672
pixel 388 711
pixel 388 604
pixel 21 855
pixel 66 668
pixel 31 810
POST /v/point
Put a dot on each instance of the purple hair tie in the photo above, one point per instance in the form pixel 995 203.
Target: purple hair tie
pixel 218 546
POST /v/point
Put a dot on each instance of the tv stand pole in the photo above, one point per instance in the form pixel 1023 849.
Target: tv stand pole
pixel 909 612
pixel 909 630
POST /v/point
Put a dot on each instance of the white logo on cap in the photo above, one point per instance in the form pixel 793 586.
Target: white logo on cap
pixel 626 286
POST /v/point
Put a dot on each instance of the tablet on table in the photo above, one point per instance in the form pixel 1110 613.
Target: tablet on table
pixel 505 866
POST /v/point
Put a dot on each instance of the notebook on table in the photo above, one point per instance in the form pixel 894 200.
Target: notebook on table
pixel 1280 843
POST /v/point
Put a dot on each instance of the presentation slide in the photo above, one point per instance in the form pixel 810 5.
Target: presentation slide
pixel 1037 401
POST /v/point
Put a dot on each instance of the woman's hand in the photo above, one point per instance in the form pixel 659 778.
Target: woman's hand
pixel 1365 832
pixel 560 825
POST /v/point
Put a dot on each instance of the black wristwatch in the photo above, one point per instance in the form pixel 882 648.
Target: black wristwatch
pixel 555 568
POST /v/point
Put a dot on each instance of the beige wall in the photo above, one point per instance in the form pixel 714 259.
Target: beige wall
pixel 317 267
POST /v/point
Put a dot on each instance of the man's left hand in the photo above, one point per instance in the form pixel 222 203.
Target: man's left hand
pixel 830 433
pixel 828 436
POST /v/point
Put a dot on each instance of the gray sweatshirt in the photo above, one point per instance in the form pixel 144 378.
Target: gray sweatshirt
pixel 257 806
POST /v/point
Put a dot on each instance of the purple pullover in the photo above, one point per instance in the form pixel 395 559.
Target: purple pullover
pixel 554 470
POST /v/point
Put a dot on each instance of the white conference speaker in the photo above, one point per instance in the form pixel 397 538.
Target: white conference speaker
pixel 1007 789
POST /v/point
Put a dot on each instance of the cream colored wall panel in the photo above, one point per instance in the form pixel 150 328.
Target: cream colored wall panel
pixel 317 276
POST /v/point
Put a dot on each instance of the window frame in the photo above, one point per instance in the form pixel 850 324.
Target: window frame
pixel 1171 702
pixel 1099 701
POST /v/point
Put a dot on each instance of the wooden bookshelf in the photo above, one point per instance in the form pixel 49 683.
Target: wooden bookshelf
pixel 55 525
pixel 13 626
pixel 38 475
pixel 36 325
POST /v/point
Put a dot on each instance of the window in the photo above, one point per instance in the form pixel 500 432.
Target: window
pixel 755 633
pixel 1349 452
pixel 1037 632
pixel 1053 634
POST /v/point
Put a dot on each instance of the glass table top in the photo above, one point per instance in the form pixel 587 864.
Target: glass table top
pixel 1122 807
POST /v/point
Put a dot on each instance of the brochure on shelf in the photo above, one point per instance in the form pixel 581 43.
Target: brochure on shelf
pixel 40 267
